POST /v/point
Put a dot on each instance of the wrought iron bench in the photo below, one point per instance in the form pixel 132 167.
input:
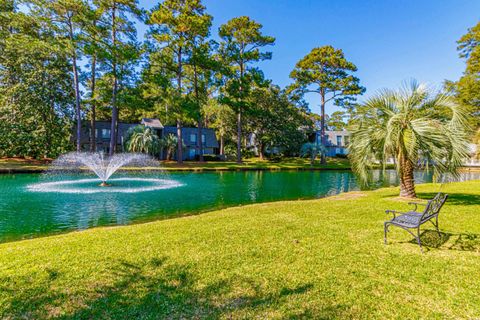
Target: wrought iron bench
pixel 414 219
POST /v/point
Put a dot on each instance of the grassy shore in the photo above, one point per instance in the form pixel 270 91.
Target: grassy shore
pixel 22 165
pixel 285 260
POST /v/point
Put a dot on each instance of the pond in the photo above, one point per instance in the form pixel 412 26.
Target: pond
pixel 31 206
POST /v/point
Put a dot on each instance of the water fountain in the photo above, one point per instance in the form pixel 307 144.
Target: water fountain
pixel 66 174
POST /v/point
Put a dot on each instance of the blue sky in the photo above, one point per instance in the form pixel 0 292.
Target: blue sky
pixel 389 40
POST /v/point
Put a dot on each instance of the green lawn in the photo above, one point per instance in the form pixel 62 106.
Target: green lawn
pixel 19 165
pixel 312 259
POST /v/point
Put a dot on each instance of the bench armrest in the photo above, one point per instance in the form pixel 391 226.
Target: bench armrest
pixel 416 204
pixel 394 212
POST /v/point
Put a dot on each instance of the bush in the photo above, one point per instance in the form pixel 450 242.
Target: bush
pixel 209 157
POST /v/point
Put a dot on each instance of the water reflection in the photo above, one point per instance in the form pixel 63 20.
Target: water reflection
pixel 26 214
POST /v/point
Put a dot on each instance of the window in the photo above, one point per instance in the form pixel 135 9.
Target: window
pixel 105 133
pixel 203 138
pixel 193 137
pixel 339 140
pixel 191 153
pixel 347 140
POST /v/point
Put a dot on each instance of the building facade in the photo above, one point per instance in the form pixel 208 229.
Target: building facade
pixel 336 142
pixel 190 137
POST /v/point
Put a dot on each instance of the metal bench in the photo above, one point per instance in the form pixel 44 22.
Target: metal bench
pixel 414 219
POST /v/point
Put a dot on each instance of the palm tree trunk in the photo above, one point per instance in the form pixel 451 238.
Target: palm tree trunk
pixel 407 183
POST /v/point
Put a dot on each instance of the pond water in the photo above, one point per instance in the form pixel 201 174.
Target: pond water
pixel 32 205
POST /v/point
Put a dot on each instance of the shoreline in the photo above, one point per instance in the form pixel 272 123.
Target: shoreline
pixel 4 171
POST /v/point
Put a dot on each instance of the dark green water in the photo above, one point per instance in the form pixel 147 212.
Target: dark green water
pixel 27 210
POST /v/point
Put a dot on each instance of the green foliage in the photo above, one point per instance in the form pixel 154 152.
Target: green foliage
pixel 142 139
pixel 406 126
pixel 468 86
pixel 335 121
pixel 275 121
pixel 36 89
pixel 326 71
pixel 169 142
pixel 242 41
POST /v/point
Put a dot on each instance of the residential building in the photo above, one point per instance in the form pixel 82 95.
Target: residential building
pixel 336 142
pixel 189 134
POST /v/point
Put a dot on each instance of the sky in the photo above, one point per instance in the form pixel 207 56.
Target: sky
pixel 390 41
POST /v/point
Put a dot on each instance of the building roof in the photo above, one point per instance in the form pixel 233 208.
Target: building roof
pixel 152 123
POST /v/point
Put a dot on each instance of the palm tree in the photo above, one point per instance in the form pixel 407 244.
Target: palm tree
pixel 312 150
pixel 414 126
pixel 169 142
pixel 142 139
pixel 476 141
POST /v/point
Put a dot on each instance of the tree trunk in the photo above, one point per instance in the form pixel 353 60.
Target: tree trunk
pixel 199 135
pixel 76 84
pixel 407 183
pixel 322 129
pixel 261 151
pixel 239 136
pixel 179 123
pixel 113 127
pixel 199 140
pixel 222 145
pixel 179 144
pixel 239 117
pixel 93 136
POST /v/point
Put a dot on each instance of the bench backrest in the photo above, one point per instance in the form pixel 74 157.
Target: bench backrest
pixel 433 207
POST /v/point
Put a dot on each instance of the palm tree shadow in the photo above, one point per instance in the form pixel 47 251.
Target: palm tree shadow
pixel 431 239
pixel 462 199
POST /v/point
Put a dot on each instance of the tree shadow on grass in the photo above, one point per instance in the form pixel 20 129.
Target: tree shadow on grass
pixel 463 199
pixel 153 289
pixel 449 241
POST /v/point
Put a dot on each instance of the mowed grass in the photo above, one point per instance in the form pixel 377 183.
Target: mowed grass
pixel 285 260
pixel 22 165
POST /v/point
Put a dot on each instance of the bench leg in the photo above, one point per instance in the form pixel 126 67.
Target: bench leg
pixel 418 239
pixel 385 230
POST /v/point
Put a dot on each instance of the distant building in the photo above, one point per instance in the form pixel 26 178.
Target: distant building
pixel 336 142
pixel 189 135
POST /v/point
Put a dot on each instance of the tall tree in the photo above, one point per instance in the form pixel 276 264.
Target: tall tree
pixel 92 37
pixel 116 18
pixel 220 117
pixel 274 120
pixel 242 43
pixel 404 125
pixel 36 88
pixel 327 72
pixel 468 86
pixel 175 24
pixel 200 72
pixel 65 16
